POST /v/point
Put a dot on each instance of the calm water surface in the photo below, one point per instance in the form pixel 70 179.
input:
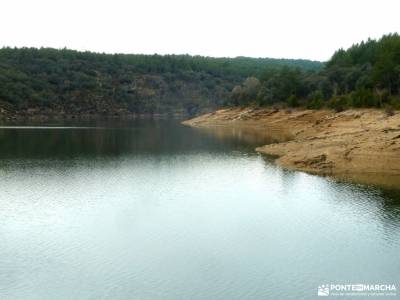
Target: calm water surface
pixel 155 210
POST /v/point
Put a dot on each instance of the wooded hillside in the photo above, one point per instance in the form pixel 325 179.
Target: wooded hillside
pixel 64 81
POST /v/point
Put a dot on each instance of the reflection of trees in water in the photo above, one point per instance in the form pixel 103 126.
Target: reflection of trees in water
pixel 379 203
pixel 375 179
pixel 120 138
pixel 391 206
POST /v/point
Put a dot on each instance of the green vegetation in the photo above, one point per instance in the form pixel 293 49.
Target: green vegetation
pixel 365 75
pixel 71 82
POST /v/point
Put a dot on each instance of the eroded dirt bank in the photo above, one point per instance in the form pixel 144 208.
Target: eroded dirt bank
pixel 361 145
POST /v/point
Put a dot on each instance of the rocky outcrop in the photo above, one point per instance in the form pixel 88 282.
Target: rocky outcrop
pixel 362 145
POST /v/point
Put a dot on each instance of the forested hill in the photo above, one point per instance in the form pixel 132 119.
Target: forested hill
pixel 67 82
pixel 365 75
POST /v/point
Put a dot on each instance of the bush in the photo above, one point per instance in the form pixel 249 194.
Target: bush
pixel 363 98
pixel 316 104
pixel 340 103
pixel 389 110
pixel 292 101
pixel 315 95
pixel 394 102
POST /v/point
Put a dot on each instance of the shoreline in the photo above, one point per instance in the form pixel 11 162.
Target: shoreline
pixel 358 145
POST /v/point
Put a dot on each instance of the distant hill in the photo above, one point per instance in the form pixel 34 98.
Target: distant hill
pixel 51 81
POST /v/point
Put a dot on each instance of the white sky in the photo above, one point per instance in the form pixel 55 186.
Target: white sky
pixel 311 29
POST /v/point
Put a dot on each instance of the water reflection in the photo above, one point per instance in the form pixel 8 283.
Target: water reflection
pixel 154 210
pixel 110 139
pixel 251 135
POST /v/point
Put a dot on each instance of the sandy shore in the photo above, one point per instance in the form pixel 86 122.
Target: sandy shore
pixel 361 145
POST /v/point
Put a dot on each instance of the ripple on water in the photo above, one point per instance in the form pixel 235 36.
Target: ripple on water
pixel 171 220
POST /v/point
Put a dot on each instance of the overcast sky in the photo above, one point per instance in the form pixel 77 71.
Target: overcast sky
pixel 311 29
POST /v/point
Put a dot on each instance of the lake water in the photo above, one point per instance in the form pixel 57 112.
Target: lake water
pixel 154 210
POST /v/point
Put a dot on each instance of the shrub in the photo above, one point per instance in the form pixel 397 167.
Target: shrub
pixel 316 104
pixel 363 98
pixel 389 110
pixel 315 95
pixel 340 103
pixel 292 101
pixel 394 102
